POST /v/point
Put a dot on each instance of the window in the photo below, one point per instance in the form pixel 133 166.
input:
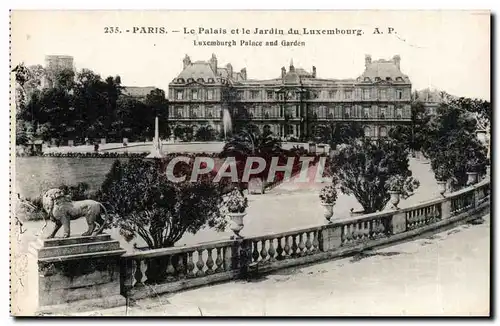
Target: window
pixel 200 80
pixel 366 94
pixel 239 95
pixel 270 95
pixel 388 78
pixel 178 112
pixel 367 79
pixel 368 132
pixel 382 113
pixel 254 95
pixel 399 94
pixel 399 113
pixel 347 112
pixel 179 95
pixel 210 80
pixel 194 94
pixel 180 80
pixel 366 112
pixel 281 96
pixel 348 95
pixel 383 94
pixel 382 132
pixel 210 94
pixel 332 94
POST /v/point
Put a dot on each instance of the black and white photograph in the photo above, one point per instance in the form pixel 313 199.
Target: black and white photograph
pixel 250 163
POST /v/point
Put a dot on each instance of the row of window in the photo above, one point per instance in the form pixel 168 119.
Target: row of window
pixel 360 112
pixel 365 94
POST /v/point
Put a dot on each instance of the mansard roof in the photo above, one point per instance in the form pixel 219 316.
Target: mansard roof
pixel 382 70
pixel 196 70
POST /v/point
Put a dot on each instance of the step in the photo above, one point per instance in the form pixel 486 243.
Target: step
pixel 73 240
pixel 75 249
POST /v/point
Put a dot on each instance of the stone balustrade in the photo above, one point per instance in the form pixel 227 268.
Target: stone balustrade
pixel 153 272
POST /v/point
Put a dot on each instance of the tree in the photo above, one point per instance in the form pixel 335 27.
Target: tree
pixel 363 169
pixel 452 141
pixel 146 204
pixel 338 133
pixel 252 143
pixel 205 133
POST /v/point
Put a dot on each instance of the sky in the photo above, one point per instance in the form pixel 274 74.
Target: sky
pixel 447 50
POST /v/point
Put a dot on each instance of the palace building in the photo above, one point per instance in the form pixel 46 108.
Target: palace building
pixel 295 103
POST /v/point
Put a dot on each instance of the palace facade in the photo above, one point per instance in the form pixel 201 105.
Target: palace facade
pixel 296 102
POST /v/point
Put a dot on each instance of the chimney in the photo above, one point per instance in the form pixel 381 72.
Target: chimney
pixel 243 73
pixel 397 61
pixel 229 68
pixel 292 68
pixel 186 62
pixel 368 60
pixel 314 72
pixel 213 63
pixel 283 72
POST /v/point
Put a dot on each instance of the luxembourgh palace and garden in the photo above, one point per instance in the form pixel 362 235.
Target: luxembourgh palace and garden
pixel 293 103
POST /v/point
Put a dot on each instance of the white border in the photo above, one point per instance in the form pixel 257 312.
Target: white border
pixel 180 5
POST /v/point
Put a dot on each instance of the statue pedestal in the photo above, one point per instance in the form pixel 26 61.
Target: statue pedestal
pixel 76 274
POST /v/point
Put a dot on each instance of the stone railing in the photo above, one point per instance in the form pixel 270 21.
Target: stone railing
pixel 159 271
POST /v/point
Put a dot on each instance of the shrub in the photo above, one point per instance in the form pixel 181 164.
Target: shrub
pixel 146 204
pixel 236 202
pixel 363 168
pixel 404 186
pixel 328 195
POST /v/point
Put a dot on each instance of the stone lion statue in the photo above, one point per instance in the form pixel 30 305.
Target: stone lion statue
pixel 61 210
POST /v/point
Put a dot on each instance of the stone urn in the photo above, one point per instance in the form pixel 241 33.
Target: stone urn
pixel 471 178
pixel 395 198
pixel 442 187
pixel 237 223
pixel 328 211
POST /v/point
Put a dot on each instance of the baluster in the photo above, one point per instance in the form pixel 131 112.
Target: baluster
pixel 263 252
pixel 302 245
pixel 287 246
pixel 294 245
pixel 138 275
pixel 366 230
pixel 279 250
pixel 170 269
pixel 356 230
pixel 210 262
pixel 219 261
pixel 308 242
pixel 352 233
pixel 190 265
pixel 272 251
pixel 227 258
pixel 255 253
pixel 200 264
pixel 180 266
pixel 345 234
pixel 316 241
